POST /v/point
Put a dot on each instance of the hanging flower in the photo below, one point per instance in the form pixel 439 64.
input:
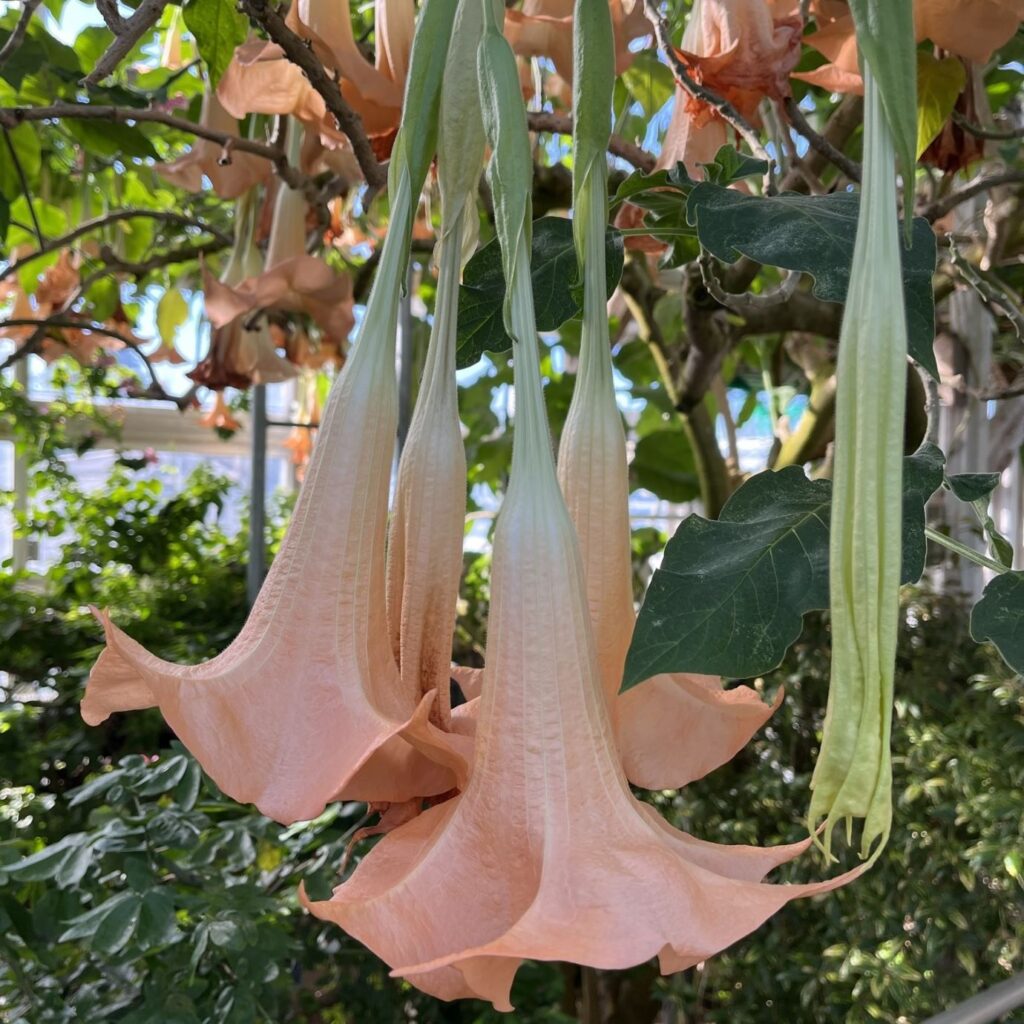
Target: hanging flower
pixel 230 173
pixel 972 29
pixel 307 704
pixel 291 279
pixel 260 79
pixel 598 877
pixel 221 419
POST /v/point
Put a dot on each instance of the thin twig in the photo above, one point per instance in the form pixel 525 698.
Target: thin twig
pixel 127 32
pixel 11 117
pixel 559 124
pixel 819 143
pixel 981 132
pixel 701 92
pixel 301 54
pixel 113 264
pixel 15 38
pixel 991 291
pixel 934 211
pixel 25 190
pixel 100 222
pixel 156 389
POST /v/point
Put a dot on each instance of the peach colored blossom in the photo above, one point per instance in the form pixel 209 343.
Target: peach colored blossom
pixel 307 703
pixel 220 417
pixel 230 174
pixel 546 854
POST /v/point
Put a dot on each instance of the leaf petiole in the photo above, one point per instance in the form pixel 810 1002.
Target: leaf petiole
pixel 964 551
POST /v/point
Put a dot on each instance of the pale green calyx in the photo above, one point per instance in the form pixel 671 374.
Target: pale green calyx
pixel 460 141
pixel 511 169
pixel 853 775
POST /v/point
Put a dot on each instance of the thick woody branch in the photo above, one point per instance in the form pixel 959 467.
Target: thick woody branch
pixel 819 143
pixel 126 34
pixel 300 53
pixel 15 38
pixel 11 117
pixel 55 244
pixel 702 93
pixel 113 264
pixel 559 124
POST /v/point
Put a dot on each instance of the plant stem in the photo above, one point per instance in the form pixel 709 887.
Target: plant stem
pixel 964 551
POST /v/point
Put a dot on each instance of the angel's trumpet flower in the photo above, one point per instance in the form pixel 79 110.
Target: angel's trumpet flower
pixel 853 775
pixel 230 174
pixel 292 279
pixel 675 728
pixel 427 526
pixel 239 355
pixel 546 854
pixel 260 79
pixel 302 705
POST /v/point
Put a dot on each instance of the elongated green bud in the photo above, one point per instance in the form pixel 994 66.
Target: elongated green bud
pixel 416 142
pixel 460 143
pixel 853 776
pixel 511 169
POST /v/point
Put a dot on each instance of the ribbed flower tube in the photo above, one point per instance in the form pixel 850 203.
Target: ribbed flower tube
pixel 674 728
pixel 545 854
pixel 307 702
pixel 853 775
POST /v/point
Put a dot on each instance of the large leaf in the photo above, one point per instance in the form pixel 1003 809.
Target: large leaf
pixel 556 287
pixel 939 83
pixel 730 595
pixel 108 138
pixel 218 28
pixel 663 464
pixel 814 234
pixel 999 618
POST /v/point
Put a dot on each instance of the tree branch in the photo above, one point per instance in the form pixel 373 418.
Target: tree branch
pixel 938 209
pixel 15 38
pixel 55 244
pixel 301 54
pixel 559 124
pixel 819 143
pixel 113 264
pixel 700 92
pixel 11 117
pixel 23 180
pixel 981 132
pixel 126 34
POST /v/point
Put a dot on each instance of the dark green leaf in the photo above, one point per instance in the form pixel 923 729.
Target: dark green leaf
pixel 117 926
pixel 187 789
pixel 731 165
pixel 166 775
pixel 218 28
pixel 84 925
pixel 108 138
pixel 663 464
pixel 27 150
pixel 814 234
pixel 555 276
pixel 999 618
pixel 28 58
pixel 730 595
pixel 157 923
pixel 46 862
pixel 973 486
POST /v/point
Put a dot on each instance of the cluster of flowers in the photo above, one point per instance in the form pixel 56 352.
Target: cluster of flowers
pixel 512 831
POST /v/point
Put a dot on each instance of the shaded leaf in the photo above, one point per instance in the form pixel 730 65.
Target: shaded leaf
pixel 730 595
pixel 663 463
pixel 999 618
pixel 814 235
pixel 973 486
pixel 117 926
pixel 555 277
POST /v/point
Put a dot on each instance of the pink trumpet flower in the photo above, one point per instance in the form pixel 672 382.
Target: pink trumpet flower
pixel 307 703
pixel 229 173
pixel 545 854
pixel 292 279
